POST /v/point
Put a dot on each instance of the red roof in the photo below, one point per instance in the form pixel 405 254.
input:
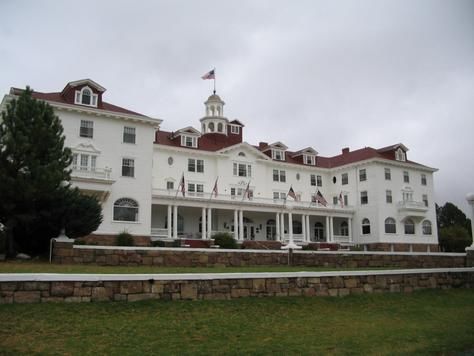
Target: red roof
pixel 59 98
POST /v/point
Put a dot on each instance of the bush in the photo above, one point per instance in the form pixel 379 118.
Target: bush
pixel 3 240
pixel 454 239
pixel 225 240
pixel 158 243
pixel 124 239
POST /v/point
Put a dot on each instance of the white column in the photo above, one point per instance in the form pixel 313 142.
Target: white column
pixel 203 224
pixel 308 229
pixel 209 223
pixel 328 228
pixel 303 226
pixel 236 225
pixel 290 227
pixel 175 222
pixel 169 222
pixel 282 231
pixel 277 224
pixel 349 226
pixel 241 225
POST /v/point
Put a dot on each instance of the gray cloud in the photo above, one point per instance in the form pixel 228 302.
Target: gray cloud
pixel 309 73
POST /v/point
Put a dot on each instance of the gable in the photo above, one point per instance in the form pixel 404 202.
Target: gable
pixel 244 147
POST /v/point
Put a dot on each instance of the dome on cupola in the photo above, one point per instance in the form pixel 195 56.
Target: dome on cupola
pixel 214 120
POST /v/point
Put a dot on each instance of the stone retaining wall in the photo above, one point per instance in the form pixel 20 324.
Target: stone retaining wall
pixel 65 253
pixel 83 288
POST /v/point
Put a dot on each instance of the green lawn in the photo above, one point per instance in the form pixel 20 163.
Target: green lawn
pixel 428 322
pixel 45 267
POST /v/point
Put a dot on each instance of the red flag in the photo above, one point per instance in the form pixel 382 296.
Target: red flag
pixel 320 199
pixel 292 194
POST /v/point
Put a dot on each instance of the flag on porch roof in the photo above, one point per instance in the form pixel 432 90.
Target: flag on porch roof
pixel 341 200
pixel 209 75
pixel 319 198
pixel 214 190
pixel 182 186
pixel 292 194
pixel 247 192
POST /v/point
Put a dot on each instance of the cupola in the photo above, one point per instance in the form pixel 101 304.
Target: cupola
pixel 214 120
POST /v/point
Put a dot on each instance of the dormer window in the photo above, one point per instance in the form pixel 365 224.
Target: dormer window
pixel 86 96
pixel 189 141
pixel 400 155
pixel 234 129
pixel 278 155
pixel 309 160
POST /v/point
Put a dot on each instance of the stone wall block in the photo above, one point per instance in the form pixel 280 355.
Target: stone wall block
pixel 189 290
pixel 62 289
pixel 131 287
pixel 27 297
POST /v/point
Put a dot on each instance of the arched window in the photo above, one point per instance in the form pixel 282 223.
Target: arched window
pixel 390 226
pixel 203 128
pixel 220 128
pixel 212 110
pixel 426 227
pixel 241 154
pixel 365 226
pixel 218 111
pixel 344 228
pixel 271 230
pixel 86 97
pixel 409 227
pixel 319 231
pixel 125 209
pixel 211 127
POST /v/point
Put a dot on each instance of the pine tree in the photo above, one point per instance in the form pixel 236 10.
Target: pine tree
pixel 33 168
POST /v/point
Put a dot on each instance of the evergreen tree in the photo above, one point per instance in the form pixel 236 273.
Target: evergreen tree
pixel 34 175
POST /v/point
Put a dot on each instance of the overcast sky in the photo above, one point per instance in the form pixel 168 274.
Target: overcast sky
pixel 326 74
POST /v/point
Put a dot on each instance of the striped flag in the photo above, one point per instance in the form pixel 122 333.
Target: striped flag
pixel 320 199
pixel 292 194
pixel 209 75
pixel 341 200
pixel 214 190
pixel 182 186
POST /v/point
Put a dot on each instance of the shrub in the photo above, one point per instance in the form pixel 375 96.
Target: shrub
pixel 454 239
pixel 3 240
pixel 124 239
pixel 225 240
pixel 158 243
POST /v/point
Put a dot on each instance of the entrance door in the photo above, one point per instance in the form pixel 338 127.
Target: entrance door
pixel 249 231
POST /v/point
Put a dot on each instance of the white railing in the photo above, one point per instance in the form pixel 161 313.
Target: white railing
pixel 253 200
pixel 410 204
pixel 96 173
pixel 155 231
pixel 341 238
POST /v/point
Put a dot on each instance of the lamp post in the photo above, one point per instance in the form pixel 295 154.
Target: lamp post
pixel 470 200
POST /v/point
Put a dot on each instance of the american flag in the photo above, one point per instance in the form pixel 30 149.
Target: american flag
pixel 292 194
pixel 247 192
pixel 214 190
pixel 319 198
pixel 182 186
pixel 209 75
pixel 341 200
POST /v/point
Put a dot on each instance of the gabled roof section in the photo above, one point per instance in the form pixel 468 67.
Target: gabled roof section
pixel 188 131
pixel 393 148
pixel 276 145
pixel 306 151
pixel 236 122
pixel 83 82
pixel 246 146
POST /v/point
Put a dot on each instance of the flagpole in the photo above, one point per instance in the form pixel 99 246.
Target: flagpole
pixel 177 190
pixel 214 80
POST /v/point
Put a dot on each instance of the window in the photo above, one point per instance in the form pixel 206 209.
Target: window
pixel 426 226
pixel 211 127
pixel 407 195
pixel 195 165
pixel 241 154
pixel 297 227
pixel 344 179
pixel 239 192
pixel 309 159
pixel 346 200
pixel 400 155
pixel 87 129
pixel 128 167
pixel 313 179
pixel 406 177
pixel 279 155
pixel 125 209
pixel 279 176
pixel 425 199
pixel 129 134
pixel 390 226
pixel 423 179
pixel 220 127
pixel 234 129
pixel 409 227
pixel 362 175
pixel 388 174
pixel 169 185
pixel 319 181
pixel 271 230
pixel 279 196
pixel 365 226
pixel 242 170
pixel 344 228
pixel 318 231
pixel 195 189
pixel 85 96
pixel 364 199
pixel 388 196
pixel 188 141
pixel 335 200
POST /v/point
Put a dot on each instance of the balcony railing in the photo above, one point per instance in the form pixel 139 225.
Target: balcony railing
pixel 410 205
pixel 89 173
pixel 237 199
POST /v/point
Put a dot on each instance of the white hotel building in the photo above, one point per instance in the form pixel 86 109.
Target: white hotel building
pixel 375 197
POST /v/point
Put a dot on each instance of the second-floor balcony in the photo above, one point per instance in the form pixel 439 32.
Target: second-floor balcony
pixel 252 200
pixel 412 207
pixel 103 175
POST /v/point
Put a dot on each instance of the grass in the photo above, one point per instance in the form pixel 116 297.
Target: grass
pixel 45 267
pixel 428 322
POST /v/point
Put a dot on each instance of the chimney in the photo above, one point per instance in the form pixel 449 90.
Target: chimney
pixel 345 150
pixel 262 145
